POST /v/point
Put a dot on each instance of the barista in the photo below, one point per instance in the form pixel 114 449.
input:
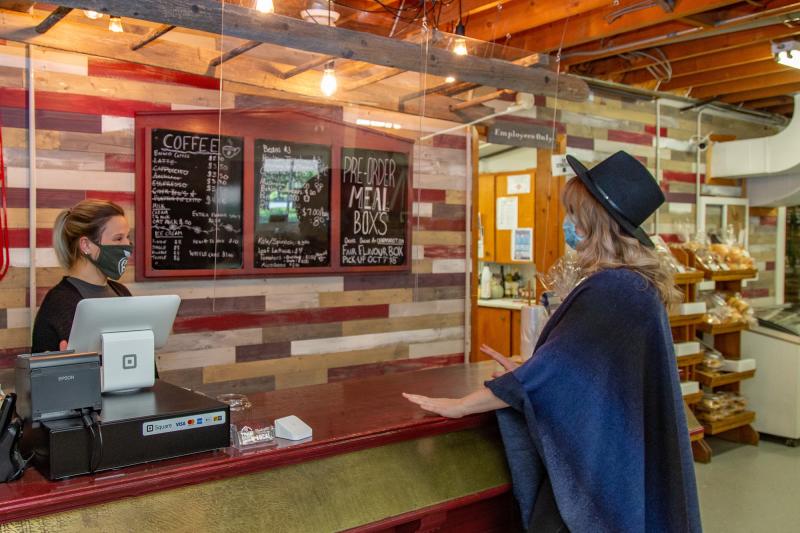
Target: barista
pixel 92 243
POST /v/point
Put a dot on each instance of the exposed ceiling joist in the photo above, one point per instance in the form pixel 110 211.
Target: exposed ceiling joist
pixel 375 78
pixel 248 24
pixel 785 109
pixel 593 25
pixel 749 84
pixel 726 74
pixel 152 36
pixel 759 94
pixel 769 102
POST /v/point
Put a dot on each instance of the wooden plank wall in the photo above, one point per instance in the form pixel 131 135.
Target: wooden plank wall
pixel 232 334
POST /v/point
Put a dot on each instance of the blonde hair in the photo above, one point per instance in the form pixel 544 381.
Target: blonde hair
pixel 87 219
pixel 606 246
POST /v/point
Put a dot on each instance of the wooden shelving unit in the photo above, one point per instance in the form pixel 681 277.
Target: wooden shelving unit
pixel 727 340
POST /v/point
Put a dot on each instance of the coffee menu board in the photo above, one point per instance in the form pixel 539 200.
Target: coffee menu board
pixel 373 207
pixel 292 205
pixel 196 200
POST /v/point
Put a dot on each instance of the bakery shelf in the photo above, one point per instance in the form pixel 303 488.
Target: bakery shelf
pixel 730 275
pixel 718 379
pixel 732 422
pixel 685 320
pixel 690 360
pixel 684 278
pixel 690 399
pixel 720 329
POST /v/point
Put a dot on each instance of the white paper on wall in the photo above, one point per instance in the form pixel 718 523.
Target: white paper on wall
pixel 507 207
pixel 519 184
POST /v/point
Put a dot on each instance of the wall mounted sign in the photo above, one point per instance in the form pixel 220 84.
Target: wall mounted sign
pixel 521 134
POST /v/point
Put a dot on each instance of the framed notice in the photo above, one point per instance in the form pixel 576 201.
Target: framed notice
pixel 522 244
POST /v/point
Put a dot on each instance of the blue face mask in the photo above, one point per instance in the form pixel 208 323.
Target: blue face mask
pixel 570 234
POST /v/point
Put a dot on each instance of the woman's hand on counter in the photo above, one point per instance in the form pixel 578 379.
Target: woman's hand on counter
pixel 62 345
pixel 479 401
pixel 507 364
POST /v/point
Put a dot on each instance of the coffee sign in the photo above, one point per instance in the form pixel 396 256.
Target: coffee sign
pixel 521 134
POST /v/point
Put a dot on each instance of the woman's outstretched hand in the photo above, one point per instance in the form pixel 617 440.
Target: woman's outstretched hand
pixel 446 407
pixel 507 364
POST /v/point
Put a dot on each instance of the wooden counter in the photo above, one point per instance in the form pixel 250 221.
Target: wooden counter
pixel 374 459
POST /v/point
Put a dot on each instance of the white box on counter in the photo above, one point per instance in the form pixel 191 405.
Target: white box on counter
pixel 740 365
pixel 686 348
pixel 690 387
pixel 690 308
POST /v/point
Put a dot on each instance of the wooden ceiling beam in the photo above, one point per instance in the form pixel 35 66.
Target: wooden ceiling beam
pixel 606 68
pixel 250 25
pixel 375 78
pixel 711 61
pixel 748 84
pixel 786 109
pixel 520 15
pixel 726 74
pixel 592 26
pixel 758 94
pixel 769 102
pixel 17 5
pixel 152 36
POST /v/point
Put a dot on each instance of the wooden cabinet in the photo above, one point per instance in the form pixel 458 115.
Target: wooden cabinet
pixel 499 328
pixel 497 244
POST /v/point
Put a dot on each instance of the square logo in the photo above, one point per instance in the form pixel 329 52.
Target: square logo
pixel 129 361
pixel 149 428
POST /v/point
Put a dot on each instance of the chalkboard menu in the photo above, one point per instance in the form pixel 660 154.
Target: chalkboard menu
pixel 196 199
pixel 373 207
pixel 292 204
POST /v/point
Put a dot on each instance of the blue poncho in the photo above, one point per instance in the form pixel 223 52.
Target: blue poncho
pixel 598 409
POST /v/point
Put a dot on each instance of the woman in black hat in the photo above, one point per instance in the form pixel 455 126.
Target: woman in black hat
pixel 594 424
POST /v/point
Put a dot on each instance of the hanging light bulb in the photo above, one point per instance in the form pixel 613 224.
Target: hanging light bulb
pixel 460 43
pixel 265 6
pixel 115 24
pixel 450 79
pixel 328 83
pixel 94 15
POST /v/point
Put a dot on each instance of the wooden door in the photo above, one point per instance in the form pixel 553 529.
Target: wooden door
pixel 525 212
pixel 486 203
pixel 494 329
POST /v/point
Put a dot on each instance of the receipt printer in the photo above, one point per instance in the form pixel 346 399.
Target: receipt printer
pixel 57 384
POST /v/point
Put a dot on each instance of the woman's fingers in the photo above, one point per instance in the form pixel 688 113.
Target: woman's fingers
pixel 504 361
pixel 62 345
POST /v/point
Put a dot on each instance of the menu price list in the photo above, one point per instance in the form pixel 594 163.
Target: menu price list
pixel 374 214
pixel 292 225
pixel 196 199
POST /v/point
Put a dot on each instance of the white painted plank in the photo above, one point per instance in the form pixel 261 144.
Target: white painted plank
pixel 423 209
pixel 45 60
pixel 373 340
pixel 436 307
pixel 281 302
pixel 430 349
pixel 76 180
pixel 185 342
pixel 18 317
pixel 196 358
pixel 111 123
pixel 21 257
pixel 449 266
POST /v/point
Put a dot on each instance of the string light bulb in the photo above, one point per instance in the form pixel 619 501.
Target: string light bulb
pixel 328 84
pixel 265 6
pixel 94 15
pixel 450 79
pixel 460 43
pixel 115 25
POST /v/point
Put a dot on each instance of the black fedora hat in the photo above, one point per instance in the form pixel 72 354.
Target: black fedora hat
pixel 625 188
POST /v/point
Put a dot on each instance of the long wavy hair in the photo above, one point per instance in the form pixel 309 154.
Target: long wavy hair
pixel 606 246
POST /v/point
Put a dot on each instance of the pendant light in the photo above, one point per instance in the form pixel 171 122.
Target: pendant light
pixel 265 6
pixel 328 84
pixel 115 24
pixel 450 79
pixel 460 43
pixel 94 15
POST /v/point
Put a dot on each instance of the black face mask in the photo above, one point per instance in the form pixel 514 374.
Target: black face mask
pixel 112 260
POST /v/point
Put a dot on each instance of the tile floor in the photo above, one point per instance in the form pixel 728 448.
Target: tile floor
pixel 747 489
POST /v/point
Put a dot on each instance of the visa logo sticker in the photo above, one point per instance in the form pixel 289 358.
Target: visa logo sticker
pixel 182 423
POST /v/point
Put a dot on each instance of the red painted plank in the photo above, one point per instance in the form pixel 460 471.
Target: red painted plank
pixel 110 68
pixel 755 293
pixel 435 224
pixel 671 237
pixel 681 197
pixel 651 129
pixel 17 117
pixel 768 221
pixel 451 211
pixel 217 306
pixel 770 266
pixel 683 177
pixel 645 139
pixel 8 356
pixel 278 318
pixel 456 142
pixel 78 103
pixel 120 163
pixel 63 199
pixel 445 252
pixel 19 237
pixel 586 143
pixel 429 195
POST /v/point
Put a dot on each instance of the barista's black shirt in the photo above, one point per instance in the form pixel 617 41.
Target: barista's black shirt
pixel 54 319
